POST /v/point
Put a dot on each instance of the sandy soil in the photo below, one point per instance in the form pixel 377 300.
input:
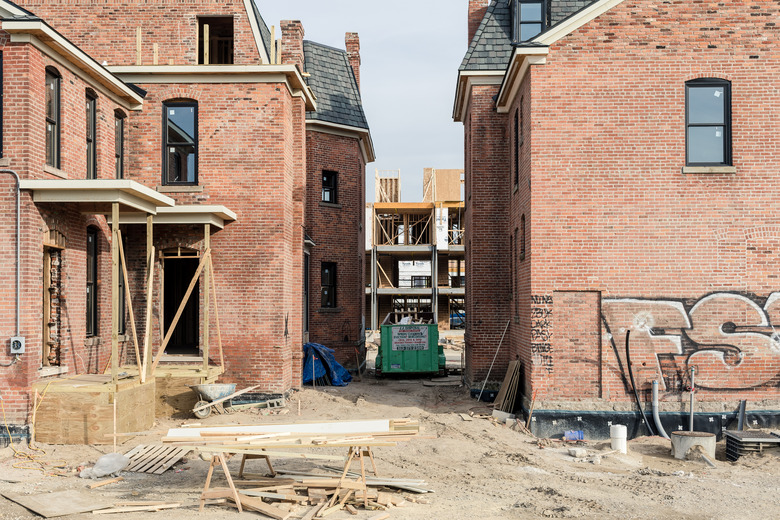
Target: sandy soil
pixel 478 469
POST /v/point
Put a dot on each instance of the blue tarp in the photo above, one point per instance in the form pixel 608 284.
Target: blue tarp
pixel 326 370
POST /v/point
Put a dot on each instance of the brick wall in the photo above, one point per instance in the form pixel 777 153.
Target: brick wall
pixel 338 230
pixel 677 259
pixel 107 29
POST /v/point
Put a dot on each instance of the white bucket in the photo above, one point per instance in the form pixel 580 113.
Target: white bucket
pixel 618 434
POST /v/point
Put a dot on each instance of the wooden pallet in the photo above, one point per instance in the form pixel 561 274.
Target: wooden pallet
pixel 155 459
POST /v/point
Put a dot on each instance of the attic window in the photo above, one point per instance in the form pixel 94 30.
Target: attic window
pixel 529 19
pixel 215 40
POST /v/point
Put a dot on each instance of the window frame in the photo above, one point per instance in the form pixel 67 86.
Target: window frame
pixel 92 252
pixel 333 189
pixel 2 104
pixel 119 144
pixel 55 77
pixel 91 134
pixel 332 301
pixel 517 21
pixel 516 147
pixel 710 83
pixel 179 104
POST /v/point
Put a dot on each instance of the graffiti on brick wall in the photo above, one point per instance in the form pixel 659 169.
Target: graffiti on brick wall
pixel 732 340
pixel 541 331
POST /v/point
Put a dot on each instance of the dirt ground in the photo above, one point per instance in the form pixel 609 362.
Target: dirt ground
pixel 478 469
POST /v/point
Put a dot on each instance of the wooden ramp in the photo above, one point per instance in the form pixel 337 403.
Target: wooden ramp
pixel 155 459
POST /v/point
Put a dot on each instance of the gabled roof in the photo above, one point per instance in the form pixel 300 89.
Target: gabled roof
pixel 265 34
pixel 11 10
pixel 492 46
pixel 333 82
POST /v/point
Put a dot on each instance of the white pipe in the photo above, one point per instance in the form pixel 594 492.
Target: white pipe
pixel 693 372
pixel 658 426
pixel 18 261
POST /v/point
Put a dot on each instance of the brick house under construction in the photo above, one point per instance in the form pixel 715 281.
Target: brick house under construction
pixel 620 163
pixel 175 168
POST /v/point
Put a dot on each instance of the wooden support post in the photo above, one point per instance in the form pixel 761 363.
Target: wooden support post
pixel 129 302
pixel 183 304
pixel 216 315
pixel 206 44
pixel 149 294
pixel 138 46
pixel 272 56
pixel 206 302
pixel 114 293
pixel 156 54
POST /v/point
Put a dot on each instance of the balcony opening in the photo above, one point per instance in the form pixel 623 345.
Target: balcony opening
pixel 215 40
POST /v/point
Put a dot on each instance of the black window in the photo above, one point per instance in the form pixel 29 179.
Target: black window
pixel 180 143
pixel 530 19
pixel 329 284
pixel 91 135
pixel 522 238
pixel 52 117
pixel 215 40
pixel 122 299
pixel 92 268
pixel 708 122
pixel 330 187
pixel 119 144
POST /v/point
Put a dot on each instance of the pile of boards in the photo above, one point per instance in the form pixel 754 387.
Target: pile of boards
pixel 505 400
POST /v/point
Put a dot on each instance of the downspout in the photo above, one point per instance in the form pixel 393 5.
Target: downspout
pixel 656 418
pixel 18 261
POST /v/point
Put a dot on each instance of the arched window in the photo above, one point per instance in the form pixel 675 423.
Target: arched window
pixel 91 134
pixel 180 143
pixel 119 143
pixel 708 122
pixel 53 80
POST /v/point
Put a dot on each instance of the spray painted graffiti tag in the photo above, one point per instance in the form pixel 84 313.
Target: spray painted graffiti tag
pixel 728 337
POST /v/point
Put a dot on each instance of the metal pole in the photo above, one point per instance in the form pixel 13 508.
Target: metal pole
pixel 494 359
pixel 693 372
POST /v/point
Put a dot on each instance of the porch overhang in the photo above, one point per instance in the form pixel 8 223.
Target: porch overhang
pixel 96 196
pixel 216 215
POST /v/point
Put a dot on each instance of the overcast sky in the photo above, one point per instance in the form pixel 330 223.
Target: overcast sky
pixel 410 53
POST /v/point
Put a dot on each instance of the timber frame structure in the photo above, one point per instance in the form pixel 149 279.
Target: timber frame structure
pixel 400 234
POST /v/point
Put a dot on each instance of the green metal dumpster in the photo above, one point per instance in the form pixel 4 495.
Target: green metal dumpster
pixel 410 345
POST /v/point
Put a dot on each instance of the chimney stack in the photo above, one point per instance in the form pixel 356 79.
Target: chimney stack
pixel 292 42
pixel 477 10
pixel 352 42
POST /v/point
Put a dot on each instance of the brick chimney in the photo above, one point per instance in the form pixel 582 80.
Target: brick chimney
pixel 292 42
pixel 353 54
pixel 477 10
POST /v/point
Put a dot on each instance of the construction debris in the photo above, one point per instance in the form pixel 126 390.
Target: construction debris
pixel 109 464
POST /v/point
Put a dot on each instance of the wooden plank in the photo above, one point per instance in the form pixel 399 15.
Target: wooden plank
pixel 257 504
pixel 153 461
pixel 207 295
pixel 313 511
pixel 129 301
pixel 105 482
pixel 216 315
pixel 147 455
pixel 176 457
pixel 231 396
pixel 114 292
pixel 132 509
pixel 60 503
pixel 291 497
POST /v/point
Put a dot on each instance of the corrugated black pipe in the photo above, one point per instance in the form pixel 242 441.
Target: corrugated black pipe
pixel 633 385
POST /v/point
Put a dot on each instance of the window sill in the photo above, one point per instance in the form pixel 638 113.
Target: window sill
pixel 330 310
pixel 52 371
pixel 709 169
pixel 54 171
pixel 92 341
pixel 5 162
pixel 179 189
pixel 330 205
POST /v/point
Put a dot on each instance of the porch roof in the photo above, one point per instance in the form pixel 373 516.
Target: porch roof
pixel 97 195
pixel 216 215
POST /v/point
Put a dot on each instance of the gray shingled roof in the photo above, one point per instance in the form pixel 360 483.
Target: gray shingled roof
pixel 265 33
pixel 492 46
pixel 333 82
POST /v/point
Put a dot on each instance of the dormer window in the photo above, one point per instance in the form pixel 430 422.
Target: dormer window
pixel 215 40
pixel 530 19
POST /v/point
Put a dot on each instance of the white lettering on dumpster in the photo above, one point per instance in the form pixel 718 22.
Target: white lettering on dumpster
pixel 410 338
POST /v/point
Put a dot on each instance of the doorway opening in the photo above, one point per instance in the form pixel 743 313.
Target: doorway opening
pixel 178 273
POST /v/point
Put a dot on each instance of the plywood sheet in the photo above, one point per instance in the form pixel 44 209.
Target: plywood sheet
pixel 60 503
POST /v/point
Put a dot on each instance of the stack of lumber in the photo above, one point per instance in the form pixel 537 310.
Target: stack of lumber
pixel 505 400
pixel 268 439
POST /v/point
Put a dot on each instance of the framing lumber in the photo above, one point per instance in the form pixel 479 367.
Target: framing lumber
pixel 129 302
pixel 149 294
pixel 179 312
pixel 206 282
pixel 216 315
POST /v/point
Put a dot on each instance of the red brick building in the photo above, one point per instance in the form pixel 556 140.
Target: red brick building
pixel 620 158
pixel 205 133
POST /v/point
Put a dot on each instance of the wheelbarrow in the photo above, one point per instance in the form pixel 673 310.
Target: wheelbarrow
pixel 216 396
